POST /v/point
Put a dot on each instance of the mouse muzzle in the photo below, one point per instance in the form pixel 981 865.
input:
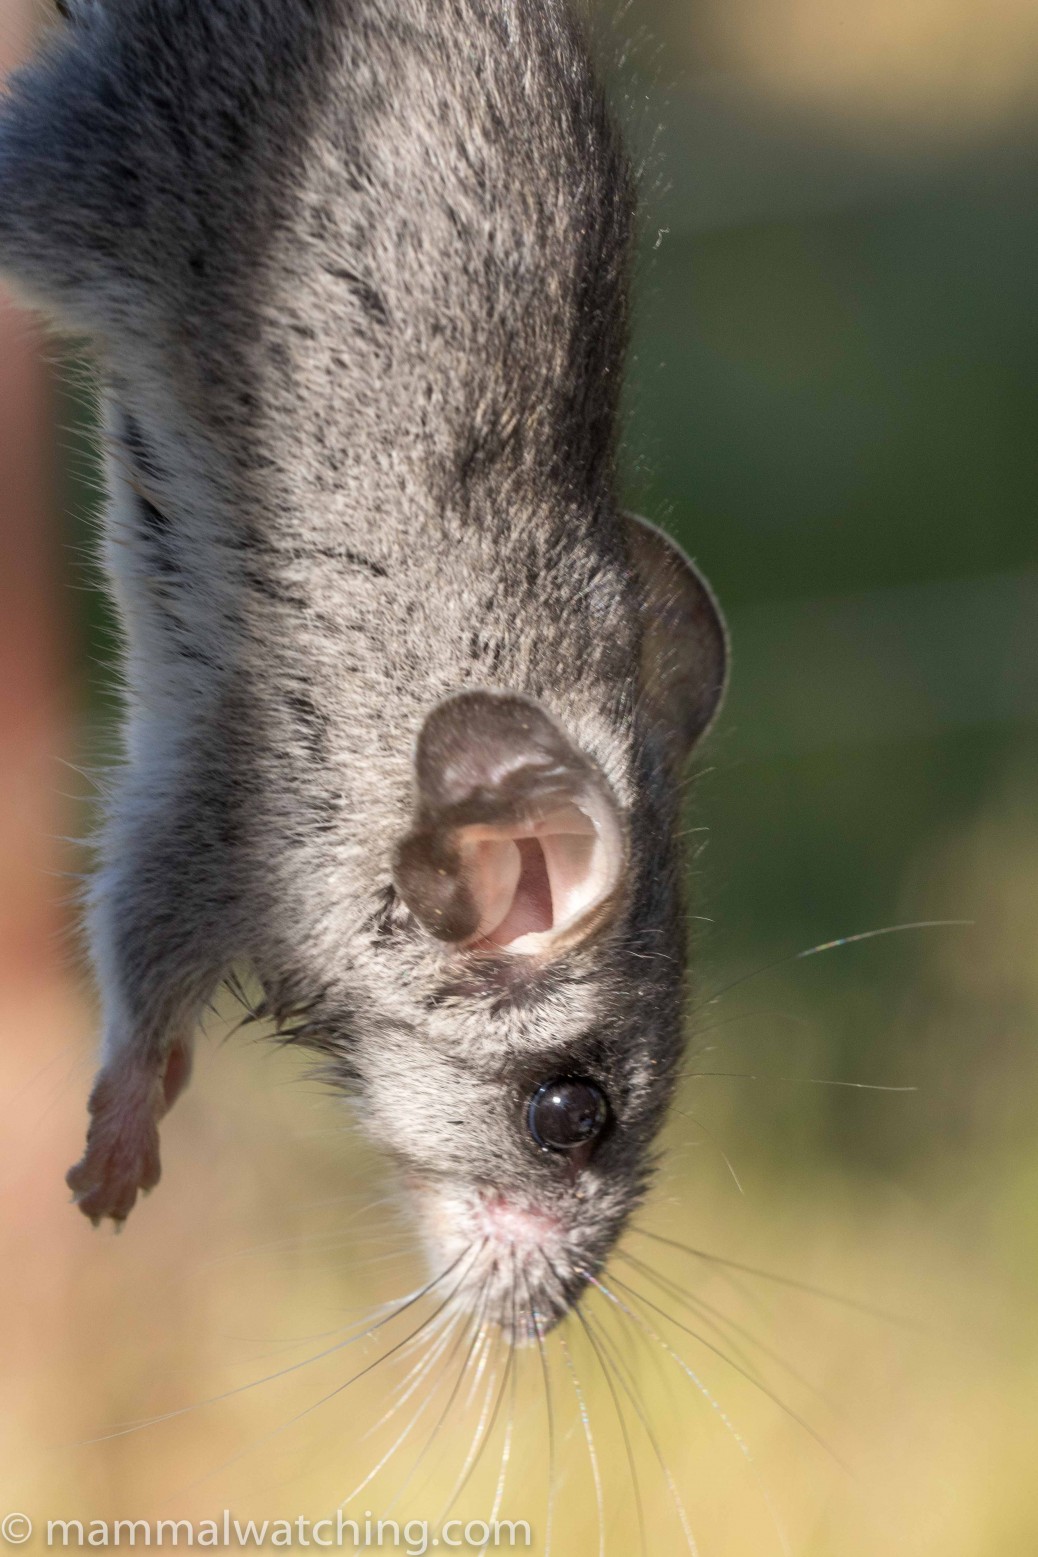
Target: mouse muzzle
pixel 517 1259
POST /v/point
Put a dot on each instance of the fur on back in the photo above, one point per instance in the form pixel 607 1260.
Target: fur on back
pixel 359 269
pixel 355 276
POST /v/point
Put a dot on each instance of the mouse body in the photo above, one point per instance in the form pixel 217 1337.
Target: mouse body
pixel 408 694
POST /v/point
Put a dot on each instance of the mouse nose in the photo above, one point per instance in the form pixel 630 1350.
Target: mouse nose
pixel 567 1115
pixel 514 1224
pixel 518 1257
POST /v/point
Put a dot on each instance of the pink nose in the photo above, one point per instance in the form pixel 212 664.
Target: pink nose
pixel 523 1226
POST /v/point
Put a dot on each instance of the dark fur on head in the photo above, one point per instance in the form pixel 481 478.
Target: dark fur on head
pixel 355 273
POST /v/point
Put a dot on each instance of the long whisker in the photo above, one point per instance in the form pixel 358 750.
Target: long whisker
pixel 454 1329
pixel 417 1373
pixel 835 945
pixel 730 1018
pixel 482 1354
pixel 632 1394
pixel 714 1318
pixel 295 1367
pixel 341 1235
pixel 721 1323
pixel 550 1410
pixel 744 1289
pixel 484 1432
pixel 277 1345
pixel 475 1332
pixel 506 1449
pixel 622 1420
pixel 769 1393
pixel 316 1405
pixel 782 1281
pixel 712 1138
pixel 806 1081
pixel 585 1418
pixel 715 1405
pixel 348 1262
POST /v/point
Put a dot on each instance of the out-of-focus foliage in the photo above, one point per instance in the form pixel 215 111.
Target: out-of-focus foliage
pixel 832 405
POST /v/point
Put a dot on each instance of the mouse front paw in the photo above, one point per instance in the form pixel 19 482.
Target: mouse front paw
pixel 122 1148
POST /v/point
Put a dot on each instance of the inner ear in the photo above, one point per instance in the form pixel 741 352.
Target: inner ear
pixel 517 840
pixel 536 879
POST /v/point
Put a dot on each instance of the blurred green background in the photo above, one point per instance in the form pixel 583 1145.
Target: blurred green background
pixel 832 405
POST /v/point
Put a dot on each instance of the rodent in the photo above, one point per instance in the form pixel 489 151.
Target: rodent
pixel 408 694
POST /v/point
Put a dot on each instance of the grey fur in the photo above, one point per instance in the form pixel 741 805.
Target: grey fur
pixel 355 273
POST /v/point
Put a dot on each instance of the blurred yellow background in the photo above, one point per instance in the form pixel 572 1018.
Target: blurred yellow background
pixel 832 404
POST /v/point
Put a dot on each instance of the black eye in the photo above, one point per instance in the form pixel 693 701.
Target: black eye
pixel 566 1114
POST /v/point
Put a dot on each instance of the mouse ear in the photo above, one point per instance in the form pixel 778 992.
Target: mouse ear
pixel 517 840
pixel 684 639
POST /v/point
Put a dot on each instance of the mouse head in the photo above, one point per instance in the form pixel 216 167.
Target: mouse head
pixel 526 1097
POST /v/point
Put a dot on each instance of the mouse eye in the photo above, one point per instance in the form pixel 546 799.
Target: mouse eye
pixel 566 1114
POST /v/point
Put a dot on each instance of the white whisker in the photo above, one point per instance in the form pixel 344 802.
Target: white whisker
pixel 229 1394
pixel 758 1383
pixel 506 1450
pixel 782 1281
pixel 585 1418
pixel 720 1323
pixel 428 1363
pixel 622 1420
pixel 331 1395
pixel 474 1331
pixel 715 1405
pixel 550 1411
pixel 630 1388
pixel 835 945
pixel 484 1430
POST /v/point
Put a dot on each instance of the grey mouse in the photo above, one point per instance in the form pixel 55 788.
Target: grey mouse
pixel 408 695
